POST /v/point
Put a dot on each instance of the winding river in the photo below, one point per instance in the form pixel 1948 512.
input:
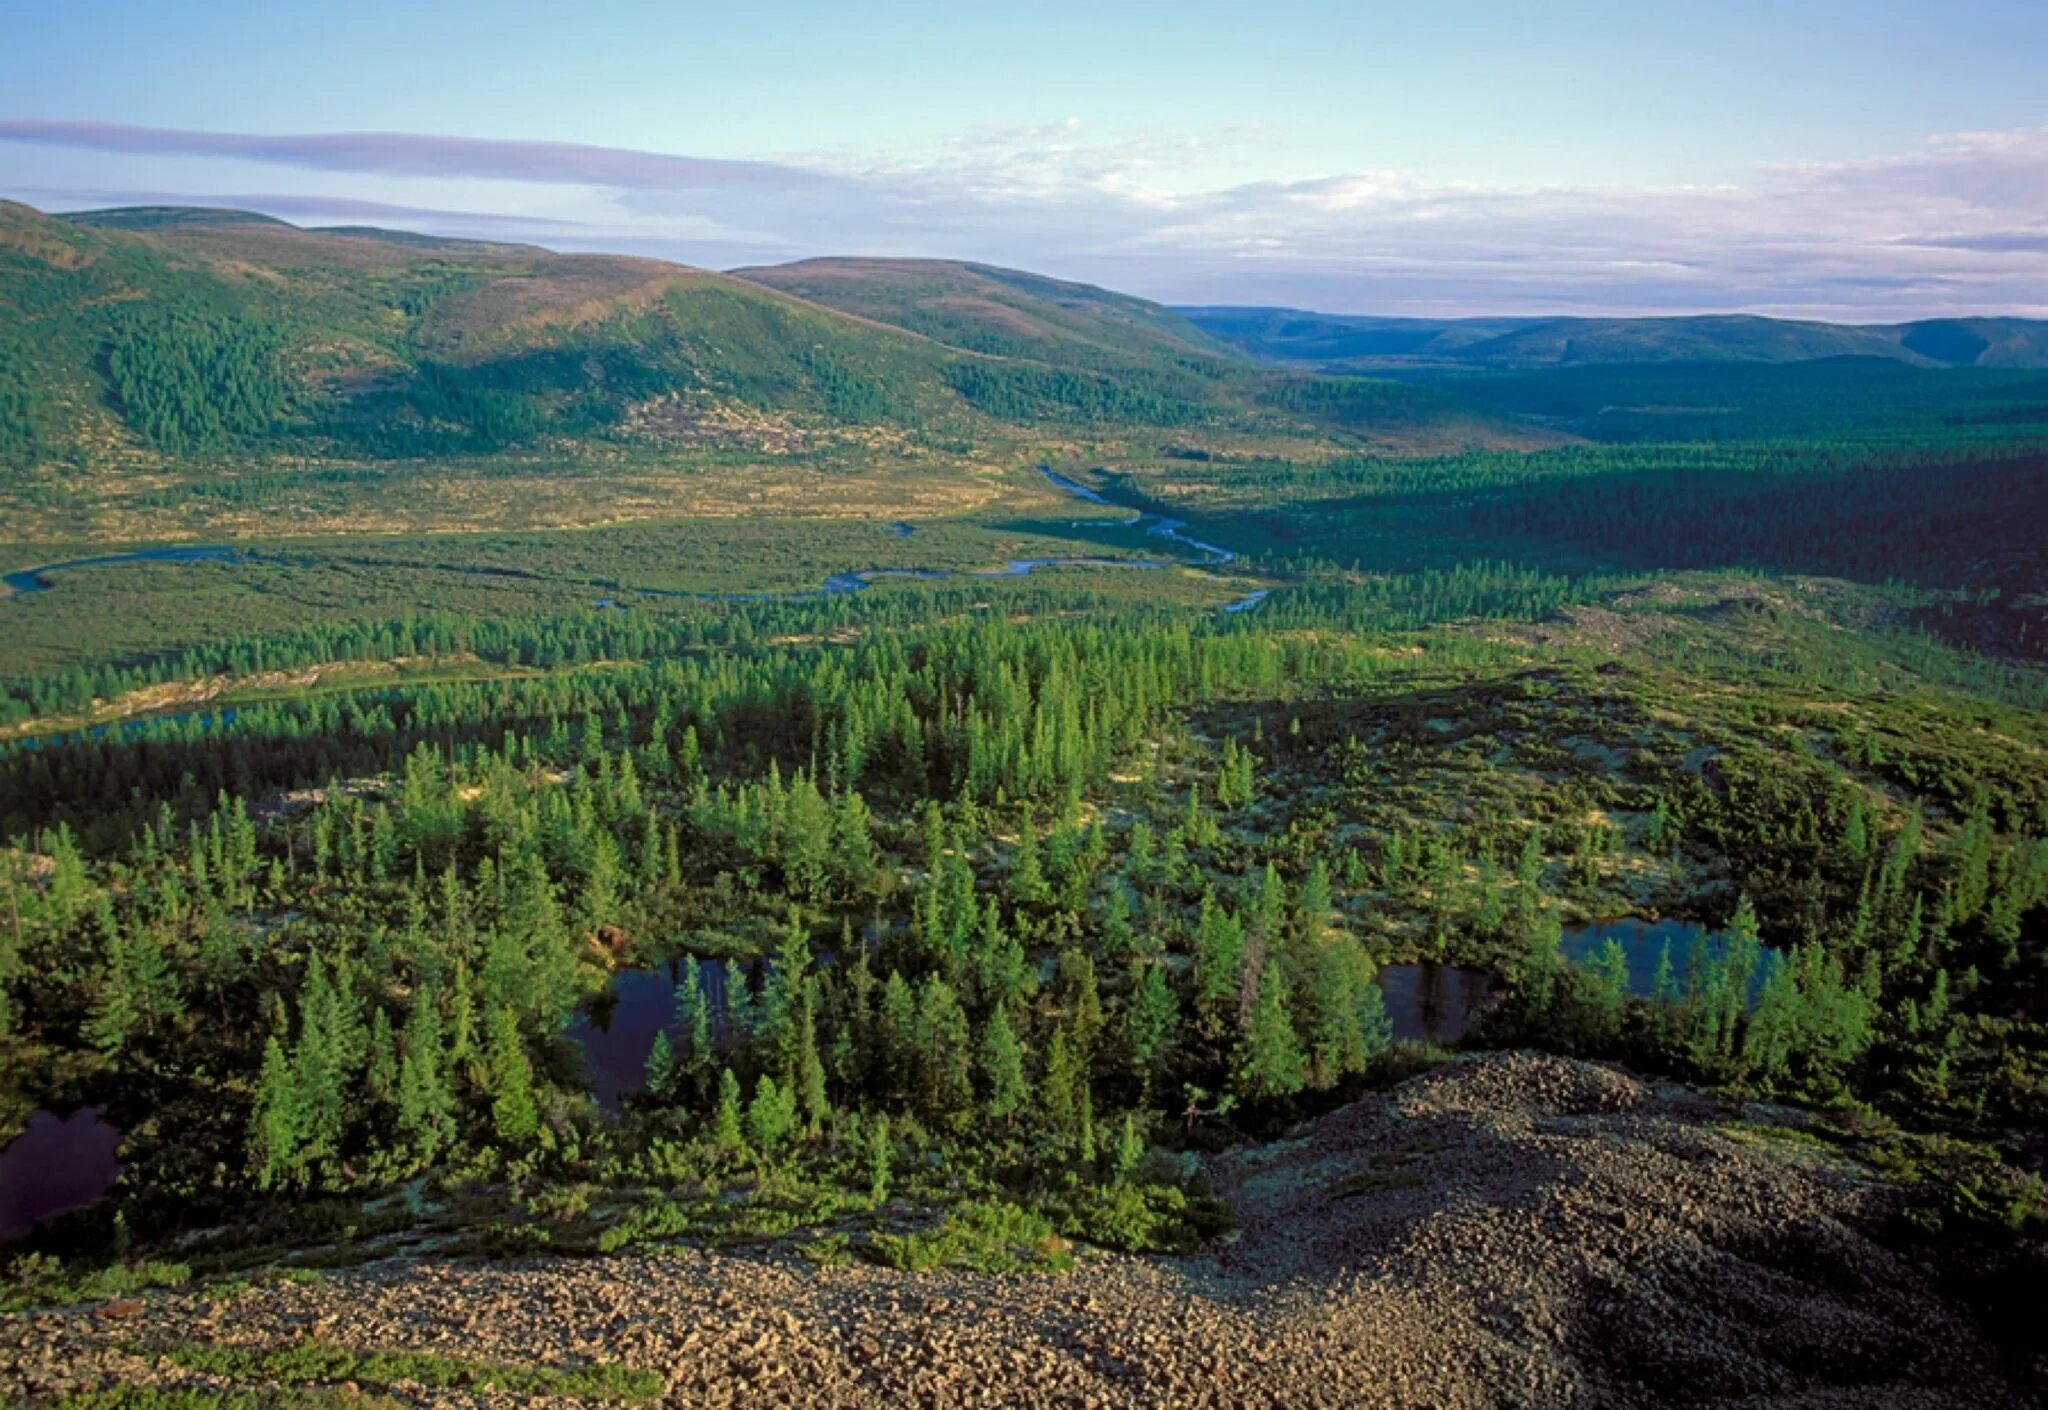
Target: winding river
pixel 1205 555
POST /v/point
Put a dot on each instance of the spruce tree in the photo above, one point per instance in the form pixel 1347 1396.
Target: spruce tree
pixel 660 1068
pixel 1269 1057
pixel 277 1127
pixel 425 1104
pixel 515 1118
pixel 1002 1067
pixel 725 1121
pixel 1151 1024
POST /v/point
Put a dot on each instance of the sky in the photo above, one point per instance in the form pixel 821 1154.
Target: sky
pixel 1861 160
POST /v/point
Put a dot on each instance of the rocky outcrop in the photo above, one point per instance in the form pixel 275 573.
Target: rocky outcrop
pixel 1505 1230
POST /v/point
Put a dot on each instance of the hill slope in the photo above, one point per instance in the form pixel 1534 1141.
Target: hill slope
pixel 189 331
pixel 168 334
pixel 1004 312
pixel 1505 1230
pixel 1338 341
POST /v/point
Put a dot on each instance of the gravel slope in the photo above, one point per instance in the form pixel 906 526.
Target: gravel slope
pixel 1507 1230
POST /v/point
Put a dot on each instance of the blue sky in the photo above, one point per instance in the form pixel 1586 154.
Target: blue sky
pixel 1861 160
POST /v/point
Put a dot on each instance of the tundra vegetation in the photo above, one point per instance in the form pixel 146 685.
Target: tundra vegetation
pixel 996 899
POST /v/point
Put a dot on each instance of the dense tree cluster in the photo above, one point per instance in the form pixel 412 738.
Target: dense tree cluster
pixel 189 382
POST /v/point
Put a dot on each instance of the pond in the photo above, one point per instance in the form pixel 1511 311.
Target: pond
pixel 617 1031
pixel 1425 1003
pixel 1435 1003
pixel 57 1163
pixel 1643 942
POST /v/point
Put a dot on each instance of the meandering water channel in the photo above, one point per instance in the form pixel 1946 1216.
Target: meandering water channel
pixel 25 581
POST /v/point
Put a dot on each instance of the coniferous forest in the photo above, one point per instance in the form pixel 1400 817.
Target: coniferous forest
pixel 946 884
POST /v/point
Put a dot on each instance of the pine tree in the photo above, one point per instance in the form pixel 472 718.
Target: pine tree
pixel 1002 1067
pixel 696 1059
pixel 771 1116
pixel 725 1122
pixel 1130 1148
pixel 1269 1057
pixel 1060 1087
pixel 809 1076
pixel 425 1105
pixel 1539 964
pixel 945 1052
pixel 514 1116
pixel 878 1158
pixel 277 1127
pixel 1151 1024
pixel 1026 884
pixel 787 978
pixel 898 1046
pixel 381 1076
pixel 739 1006
pixel 661 1068
pixel 1219 962
pixel 1347 1025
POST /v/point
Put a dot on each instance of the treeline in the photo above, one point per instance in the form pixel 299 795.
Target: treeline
pixel 1946 526
pixel 658 625
pixel 997 710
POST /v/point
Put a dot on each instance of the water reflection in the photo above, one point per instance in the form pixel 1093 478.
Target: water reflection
pixel 57 1163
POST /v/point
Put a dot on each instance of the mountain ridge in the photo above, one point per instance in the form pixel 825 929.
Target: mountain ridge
pixel 1279 336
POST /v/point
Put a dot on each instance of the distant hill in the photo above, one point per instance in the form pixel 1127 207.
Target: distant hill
pixel 1339 342
pixel 187 333
pixel 1005 312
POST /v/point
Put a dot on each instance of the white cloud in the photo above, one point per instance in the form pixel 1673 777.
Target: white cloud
pixel 1959 223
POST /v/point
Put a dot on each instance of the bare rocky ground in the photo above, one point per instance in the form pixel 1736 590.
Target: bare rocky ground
pixel 1506 1230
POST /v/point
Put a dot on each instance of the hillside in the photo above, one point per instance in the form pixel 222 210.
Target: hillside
pixel 1507 1229
pixel 179 331
pixel 155 340
pixel 1337 341
pixel 1004 312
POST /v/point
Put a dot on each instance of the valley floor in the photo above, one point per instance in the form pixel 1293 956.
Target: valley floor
pixel 1506 1229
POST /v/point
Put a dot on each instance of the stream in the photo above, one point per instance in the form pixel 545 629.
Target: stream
pixel 1207 555
pixel 28 580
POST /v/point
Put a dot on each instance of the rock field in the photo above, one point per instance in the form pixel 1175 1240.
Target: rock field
pixel 1505 1230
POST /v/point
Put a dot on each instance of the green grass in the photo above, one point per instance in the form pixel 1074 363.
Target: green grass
pixel 980 1237
pixel 159 1398
pixel 318 1363
pixel 38 1280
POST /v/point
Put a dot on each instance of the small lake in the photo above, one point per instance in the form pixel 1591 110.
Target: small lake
pixel 1643 942
pixel 1435 1003
pixel 1425 1003
pixel 617 1031
pixel 57 1163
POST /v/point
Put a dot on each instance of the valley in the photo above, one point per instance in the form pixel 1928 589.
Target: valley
pixel 580 829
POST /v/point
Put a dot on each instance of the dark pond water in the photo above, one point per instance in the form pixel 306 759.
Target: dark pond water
pixel 56 1164
pixel 1435 1003
pixel 1425 1002
pixel 29 580
pixel 617 1032
pixel 1643 941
